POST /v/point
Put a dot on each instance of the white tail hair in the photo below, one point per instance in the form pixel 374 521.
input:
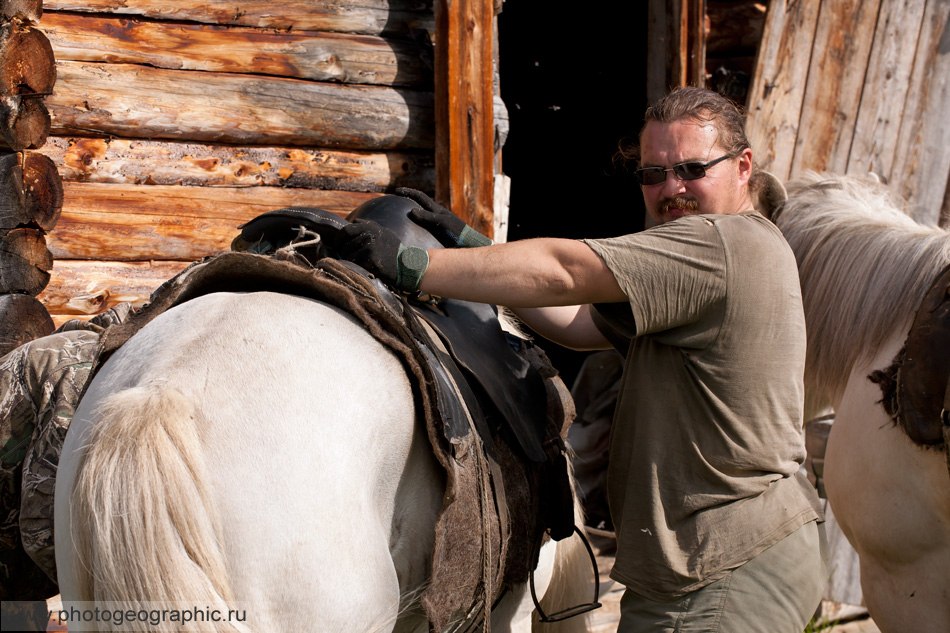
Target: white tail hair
pixel 572 579
pixel 143 522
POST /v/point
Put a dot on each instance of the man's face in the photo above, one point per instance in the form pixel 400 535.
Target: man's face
pixel 722 190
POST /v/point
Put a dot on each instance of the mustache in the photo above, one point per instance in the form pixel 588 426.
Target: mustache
pixel 680 203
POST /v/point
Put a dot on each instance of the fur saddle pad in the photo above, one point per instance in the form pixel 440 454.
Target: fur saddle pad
pixel 501 498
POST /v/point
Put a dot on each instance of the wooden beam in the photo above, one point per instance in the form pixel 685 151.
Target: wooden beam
pixel 464 154
pixel 370 17
pixel 665 46
pixel 132 101
pixel 921 169
pixel 344 58
pixel 886 87
pixel 134 222
pixel 90 287
pixel 676 51
pixel 26 61
pixel 774 106
pixel 31 191
pixel 24 122
pixel 696 26
pixel 839 60
pixel 22 319
pixel 123 161
pixel 25 261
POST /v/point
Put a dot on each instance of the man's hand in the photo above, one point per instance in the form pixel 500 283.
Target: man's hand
pixel 448 228
pixel 378 250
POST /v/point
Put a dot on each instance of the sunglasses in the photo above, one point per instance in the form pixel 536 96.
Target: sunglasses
pixel 683 171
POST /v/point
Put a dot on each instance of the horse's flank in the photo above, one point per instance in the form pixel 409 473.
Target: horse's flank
pixel 864 266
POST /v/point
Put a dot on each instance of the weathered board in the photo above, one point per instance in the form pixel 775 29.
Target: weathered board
pixel 778 90
pixel 857 87
pixel 922 159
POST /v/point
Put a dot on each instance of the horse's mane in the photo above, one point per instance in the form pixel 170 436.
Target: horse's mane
pixel 864 267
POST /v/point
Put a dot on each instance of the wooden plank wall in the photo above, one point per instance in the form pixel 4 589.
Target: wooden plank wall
pixel 856 87
pixel 174 121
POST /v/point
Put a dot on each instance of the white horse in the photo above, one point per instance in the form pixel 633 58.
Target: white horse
pixel 865 266
pixel 261 454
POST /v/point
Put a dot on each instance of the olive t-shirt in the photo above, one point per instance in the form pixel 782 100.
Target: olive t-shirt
pixel 707 437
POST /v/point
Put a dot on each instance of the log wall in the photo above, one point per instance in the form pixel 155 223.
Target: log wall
pixel 31 192
pixel 172 122
pixel 857 87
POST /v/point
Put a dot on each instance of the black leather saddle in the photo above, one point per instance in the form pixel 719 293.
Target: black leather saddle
pixel 502 391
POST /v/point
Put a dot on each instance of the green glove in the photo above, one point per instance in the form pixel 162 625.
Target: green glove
pixel 447 227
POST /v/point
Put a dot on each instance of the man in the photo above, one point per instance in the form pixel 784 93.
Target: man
pixel 717 529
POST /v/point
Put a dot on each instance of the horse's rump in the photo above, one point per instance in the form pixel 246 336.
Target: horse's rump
pixel 488 533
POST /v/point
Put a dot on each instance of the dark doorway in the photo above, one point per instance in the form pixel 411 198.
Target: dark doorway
pixel 574 83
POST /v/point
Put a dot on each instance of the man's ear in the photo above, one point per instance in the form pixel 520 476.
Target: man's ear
pixel 744 163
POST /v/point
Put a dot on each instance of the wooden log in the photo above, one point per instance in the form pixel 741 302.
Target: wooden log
pixel 775 98
pixel 921 168
pixel 139 102
pixel 121 161
pixel 836 73
pixel 24 123
pixel 22 319
pixel 90 287
pixel 676 50
pixel 28 11
pixel 885 87
pixel 25 262
pixel 132 222
pixel 26 61
pixel 351 59
pixel 31 191
pixel 734 28
pixel 464 152
pixel 370 17
pixel 696 27
pixel 666 47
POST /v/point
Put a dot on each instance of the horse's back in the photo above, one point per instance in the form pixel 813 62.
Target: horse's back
pixel 307 440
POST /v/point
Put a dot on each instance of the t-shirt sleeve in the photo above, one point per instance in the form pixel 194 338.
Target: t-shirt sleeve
pixel 674 276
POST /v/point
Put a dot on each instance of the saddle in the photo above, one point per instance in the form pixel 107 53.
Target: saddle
pixel 495 409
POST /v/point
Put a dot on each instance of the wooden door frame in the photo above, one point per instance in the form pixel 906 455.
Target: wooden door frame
pixel 464 102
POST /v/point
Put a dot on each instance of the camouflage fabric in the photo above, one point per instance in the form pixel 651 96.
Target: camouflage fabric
pixel 40 385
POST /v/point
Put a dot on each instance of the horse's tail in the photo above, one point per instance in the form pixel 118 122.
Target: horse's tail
pixel 572 582
pixel 144 524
